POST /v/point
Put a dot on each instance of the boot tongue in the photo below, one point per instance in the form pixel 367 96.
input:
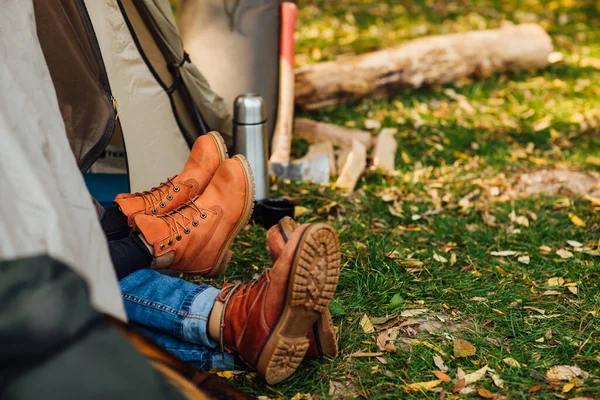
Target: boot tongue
pixel 153 228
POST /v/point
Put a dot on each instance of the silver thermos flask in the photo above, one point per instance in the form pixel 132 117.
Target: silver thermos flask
pixel 250 138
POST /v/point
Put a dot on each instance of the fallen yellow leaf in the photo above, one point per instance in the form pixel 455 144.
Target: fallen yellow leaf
pixel 512 362
pixel 498 311
pixel 366 325
pixel 568 387
pixel 576 220
pixel 299 210
pixel 501 271
pixel 414 387
pixel 556 281
pixel 463 348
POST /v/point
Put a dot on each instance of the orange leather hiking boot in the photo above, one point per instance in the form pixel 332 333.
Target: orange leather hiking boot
pixel 206 156
pixel 195 238
pixel 322 341
pixel 266 322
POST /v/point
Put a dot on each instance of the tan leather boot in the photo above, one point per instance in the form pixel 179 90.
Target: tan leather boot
pixel 322 340
pixel 195 237
pixel 206 156
pixel 266 322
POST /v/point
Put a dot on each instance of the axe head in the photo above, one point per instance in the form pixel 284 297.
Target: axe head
pixel 315 169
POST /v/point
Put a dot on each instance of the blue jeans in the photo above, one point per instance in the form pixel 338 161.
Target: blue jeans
pixel 175 313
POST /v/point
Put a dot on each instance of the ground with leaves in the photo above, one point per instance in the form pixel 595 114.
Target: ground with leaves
pixel 475 268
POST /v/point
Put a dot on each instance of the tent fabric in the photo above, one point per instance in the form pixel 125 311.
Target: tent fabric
pixel 211 106
pixel 77 71
pixel 156 148
pixel 236 48
pixel 158 60
pixel 46 208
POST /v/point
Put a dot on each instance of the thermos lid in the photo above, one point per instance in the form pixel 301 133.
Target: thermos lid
pixel 249 108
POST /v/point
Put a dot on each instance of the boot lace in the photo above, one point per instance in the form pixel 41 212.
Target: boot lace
pixel 157 195
pixel 178 220
pixel 229 290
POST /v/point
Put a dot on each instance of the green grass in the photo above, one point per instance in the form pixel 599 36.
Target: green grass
pixel 523 122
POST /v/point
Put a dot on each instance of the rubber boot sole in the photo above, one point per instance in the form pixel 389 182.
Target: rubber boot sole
pixel 220 143
pixel 323 330
pixel 312 282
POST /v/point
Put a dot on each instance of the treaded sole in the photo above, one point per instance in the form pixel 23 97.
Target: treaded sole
pixel 220 142
pixel 311 285
pixel 324 332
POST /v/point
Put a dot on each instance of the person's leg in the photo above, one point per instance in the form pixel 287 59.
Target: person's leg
pixel 129 255
pixel 114 224
pixel 170 305
pixel 199 356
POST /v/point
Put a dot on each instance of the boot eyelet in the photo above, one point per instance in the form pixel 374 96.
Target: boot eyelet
pixel 186 231
pixel 203 215
pixel 178 237
pixel 194 223
pixel 176 189
pixel 163 205
pixel 170 242
pixel 169 197
pixel 162 246
pixel 154 211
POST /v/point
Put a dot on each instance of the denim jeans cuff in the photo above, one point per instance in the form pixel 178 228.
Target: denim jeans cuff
pixel 195 323
pixel 224 362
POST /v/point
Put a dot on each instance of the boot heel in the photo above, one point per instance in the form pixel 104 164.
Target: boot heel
pixel 318 263
pixel 286 358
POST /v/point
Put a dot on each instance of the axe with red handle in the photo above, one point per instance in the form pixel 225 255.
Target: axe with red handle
pixel 281 142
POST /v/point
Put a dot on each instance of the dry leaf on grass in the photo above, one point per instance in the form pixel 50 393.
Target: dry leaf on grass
pixel 499 382
pixel 442 376
pixel 565 373
pixel 463 348
pixel 299 210
pixel 475 376
pixel 439 362
pixel 418 386
pixel 574 243
pixel 366 325
pixel 439 258
pixel 486 394
pixel 413 313
pixel 576 220
pixel 562 253
pixel 512 362
pixel 556 281
pixel 568 387
pixel 343 390
pixel 503 253
pixel 545 249
pixel 524 259
pixel 520 220
pixel 573 289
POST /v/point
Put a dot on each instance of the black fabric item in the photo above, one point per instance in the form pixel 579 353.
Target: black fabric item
pixel 114 224
pixel 129 255
pixel 54 345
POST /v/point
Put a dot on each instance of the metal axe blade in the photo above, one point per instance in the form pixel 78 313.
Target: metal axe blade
pixel 315 169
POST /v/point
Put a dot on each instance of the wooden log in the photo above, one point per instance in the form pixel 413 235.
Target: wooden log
pixel 355 164
pixel 323 147
pixel 384 152
pixel 426 61
pixel 314 132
